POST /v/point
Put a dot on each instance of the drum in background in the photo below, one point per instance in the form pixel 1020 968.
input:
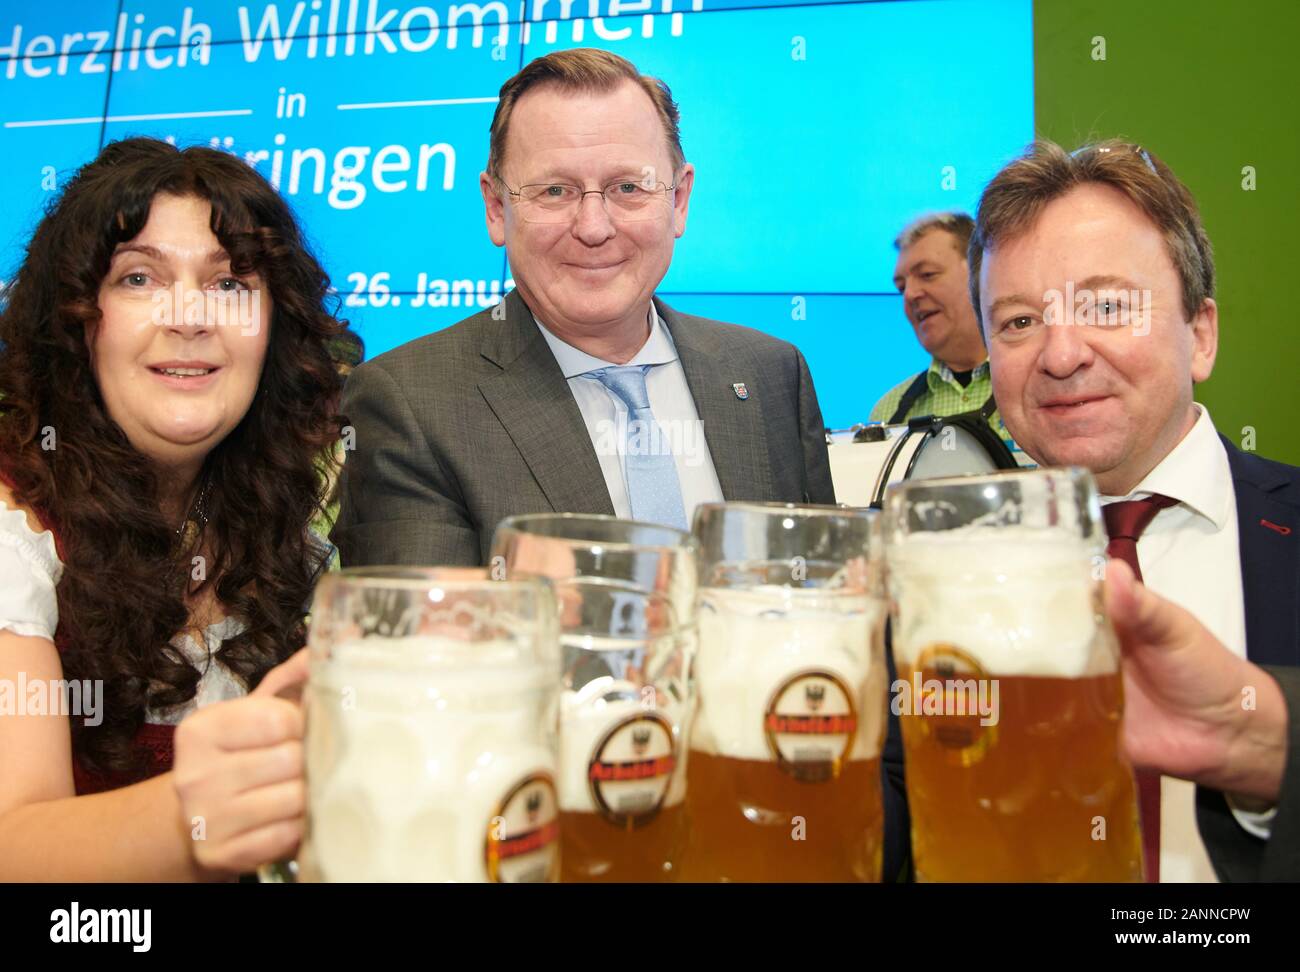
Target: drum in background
pixel 857 456
pixel 866 459
pixel 1009 687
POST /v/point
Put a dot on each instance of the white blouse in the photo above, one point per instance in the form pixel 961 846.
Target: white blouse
pixel 29 571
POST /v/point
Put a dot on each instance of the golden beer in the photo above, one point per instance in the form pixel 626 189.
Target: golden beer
pixel 785 747
pixel 1009 693
pixel 753 821
pixel 785 753
pixel 1040 796
pixel 624 715
pixel 595 850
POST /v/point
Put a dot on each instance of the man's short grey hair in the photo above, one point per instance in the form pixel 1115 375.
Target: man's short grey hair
pixel 959 224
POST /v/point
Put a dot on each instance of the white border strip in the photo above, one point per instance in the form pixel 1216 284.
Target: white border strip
pixel 99 119
pixel 417 104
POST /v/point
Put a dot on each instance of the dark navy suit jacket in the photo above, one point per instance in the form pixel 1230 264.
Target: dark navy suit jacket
pixel 1268 525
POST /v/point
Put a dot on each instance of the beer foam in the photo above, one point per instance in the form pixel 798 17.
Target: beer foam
pixel 752 641
pixel 1017 601
pixel 443 655
pixel 409 758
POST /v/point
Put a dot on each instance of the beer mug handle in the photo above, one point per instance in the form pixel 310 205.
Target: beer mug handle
pixel 278 872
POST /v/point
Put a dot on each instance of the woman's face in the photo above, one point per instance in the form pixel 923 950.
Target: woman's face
pixel 178 352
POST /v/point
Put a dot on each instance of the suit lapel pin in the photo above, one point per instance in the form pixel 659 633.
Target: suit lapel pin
pixel 741 391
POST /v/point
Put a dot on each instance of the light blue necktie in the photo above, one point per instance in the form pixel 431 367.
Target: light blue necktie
pixel 653 489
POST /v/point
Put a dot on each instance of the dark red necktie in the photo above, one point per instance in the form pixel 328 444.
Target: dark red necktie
pixel 1124 524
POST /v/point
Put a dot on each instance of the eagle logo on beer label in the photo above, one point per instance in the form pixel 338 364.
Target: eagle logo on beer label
pixel 631 768
pixel 809 724
pixel 946 695
pixel 523 839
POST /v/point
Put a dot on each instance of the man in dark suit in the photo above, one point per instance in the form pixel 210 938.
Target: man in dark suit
pixel 1093 279
pixel 1184 693
pixel 1268 523
pixel 581 392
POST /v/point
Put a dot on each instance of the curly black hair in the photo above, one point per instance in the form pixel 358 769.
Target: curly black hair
pixel 121 597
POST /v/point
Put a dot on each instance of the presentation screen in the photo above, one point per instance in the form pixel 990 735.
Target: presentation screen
pixel 817 131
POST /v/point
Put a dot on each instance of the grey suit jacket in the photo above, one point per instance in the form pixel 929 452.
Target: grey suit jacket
pixel 461 428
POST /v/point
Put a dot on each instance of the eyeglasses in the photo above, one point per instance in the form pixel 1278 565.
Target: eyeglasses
pixel 626 201
pixel 1132 147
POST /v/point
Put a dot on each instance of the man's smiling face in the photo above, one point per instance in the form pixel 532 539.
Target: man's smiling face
pixel 593 272
pixel 931 274
pixel 1109 396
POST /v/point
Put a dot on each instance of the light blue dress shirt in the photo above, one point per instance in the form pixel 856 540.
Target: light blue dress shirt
pixel 670 399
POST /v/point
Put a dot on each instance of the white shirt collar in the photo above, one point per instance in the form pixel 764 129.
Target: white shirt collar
pixel 1195 473
pixel 658 349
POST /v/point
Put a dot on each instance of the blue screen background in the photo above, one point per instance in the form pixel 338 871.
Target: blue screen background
pixel 817 131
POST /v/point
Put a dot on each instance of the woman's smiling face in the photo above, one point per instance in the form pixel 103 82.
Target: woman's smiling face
pixel 179 349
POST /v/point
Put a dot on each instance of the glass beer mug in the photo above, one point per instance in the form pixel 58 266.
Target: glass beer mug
pixel 1009 688
pixel 624 709
pixel 653 558
pixel 431 713
pixel 599 564
pixel 785 748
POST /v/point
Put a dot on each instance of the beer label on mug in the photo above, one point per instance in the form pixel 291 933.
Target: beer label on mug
pixel 631 768
pixel 523 841
pixel 810 724
pixel 946 696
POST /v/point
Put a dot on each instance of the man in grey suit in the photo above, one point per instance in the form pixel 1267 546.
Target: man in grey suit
pixel 581 392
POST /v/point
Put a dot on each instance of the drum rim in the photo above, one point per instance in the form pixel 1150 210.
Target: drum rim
pixel 972 422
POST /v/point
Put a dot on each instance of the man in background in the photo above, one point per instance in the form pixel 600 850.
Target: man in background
pixel 931 274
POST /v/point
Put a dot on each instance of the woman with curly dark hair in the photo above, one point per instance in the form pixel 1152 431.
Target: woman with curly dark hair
pixel 167 401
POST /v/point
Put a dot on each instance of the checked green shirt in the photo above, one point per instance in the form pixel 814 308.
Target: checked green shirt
pixel 944 395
